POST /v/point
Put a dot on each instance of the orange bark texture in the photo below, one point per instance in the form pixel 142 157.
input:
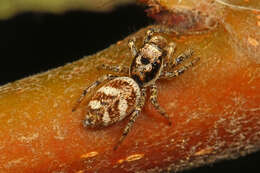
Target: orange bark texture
pixel 214 108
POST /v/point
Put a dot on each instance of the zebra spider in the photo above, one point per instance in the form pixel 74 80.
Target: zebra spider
pixel 123 96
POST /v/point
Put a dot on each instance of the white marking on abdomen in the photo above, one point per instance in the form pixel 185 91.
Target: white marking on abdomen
pixel 122 106
pixel 133 84
pixel 106 119
pixel 110 91
pixel 94 104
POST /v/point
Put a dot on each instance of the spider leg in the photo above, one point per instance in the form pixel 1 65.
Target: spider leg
pixel 93 85
pixel 179 71
pixel 149 35
pixel 160 29
pixel 170 50
pixel 118 69
pixel 133 117
pixel 151 31
pixel 154 101
pixel 131 45
pixel 185 55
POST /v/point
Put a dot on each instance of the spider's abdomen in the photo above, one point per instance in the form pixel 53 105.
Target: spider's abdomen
pixel 112 102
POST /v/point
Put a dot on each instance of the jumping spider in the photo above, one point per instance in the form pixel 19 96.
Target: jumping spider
pixel 123 96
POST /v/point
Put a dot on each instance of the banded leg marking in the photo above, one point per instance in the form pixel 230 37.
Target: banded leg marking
pixel 170 49
pixel 118 69
pixel 179 71
pixel 185 55
pixel 154 101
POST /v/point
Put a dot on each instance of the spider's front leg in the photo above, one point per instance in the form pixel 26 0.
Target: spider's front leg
pixel 169 65
pixel 117 69
pixel 154 101
pixel 149 35
pixel 133 117
pixel 170 50
pixel 181 70
pixel 132 47
pixel 93 85
pixel 121 69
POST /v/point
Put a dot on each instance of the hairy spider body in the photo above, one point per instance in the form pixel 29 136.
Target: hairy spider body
pixel 124 96
pixel 112 102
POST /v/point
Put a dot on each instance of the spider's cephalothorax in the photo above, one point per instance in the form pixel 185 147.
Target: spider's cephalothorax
pixel 123 96
pixel 148 62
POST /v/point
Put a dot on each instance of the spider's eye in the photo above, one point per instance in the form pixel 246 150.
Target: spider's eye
pixel 145 61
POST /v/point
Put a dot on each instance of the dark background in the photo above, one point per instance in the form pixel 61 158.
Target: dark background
pixel 31 43
pixel 34 42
